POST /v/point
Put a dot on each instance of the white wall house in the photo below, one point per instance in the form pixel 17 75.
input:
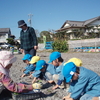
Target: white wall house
pixel 79 29
pixel 4 34
pixel 84 27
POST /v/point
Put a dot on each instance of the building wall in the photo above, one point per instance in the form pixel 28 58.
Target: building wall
pixel 3 37
pixel 97 22
pixel 66 25
pixel 84 43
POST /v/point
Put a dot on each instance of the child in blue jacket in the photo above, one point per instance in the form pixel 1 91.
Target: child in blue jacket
pixel 26 59
pixel 58 62
pixel 47 70
pixel 84 83
pixel 56 59
pixel 33 61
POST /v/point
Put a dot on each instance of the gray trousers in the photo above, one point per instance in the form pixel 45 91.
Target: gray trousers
pixel 54 77
pixel 31 51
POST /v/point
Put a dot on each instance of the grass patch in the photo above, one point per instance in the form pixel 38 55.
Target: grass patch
pixel 15 50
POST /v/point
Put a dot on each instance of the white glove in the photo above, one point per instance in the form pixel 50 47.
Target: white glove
pixel 37 85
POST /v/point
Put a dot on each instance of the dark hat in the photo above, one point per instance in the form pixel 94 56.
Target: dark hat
pixel 21 23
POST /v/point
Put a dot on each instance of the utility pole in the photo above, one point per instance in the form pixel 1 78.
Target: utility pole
pixel 30 19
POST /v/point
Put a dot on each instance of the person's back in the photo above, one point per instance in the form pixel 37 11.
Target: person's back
pixel 84 83
pixel 48 70
pixel 88 83
pixel 51 69
pixel 91 81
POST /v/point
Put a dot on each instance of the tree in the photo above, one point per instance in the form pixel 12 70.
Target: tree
pixel 98 29
pixel 47 34
pixel 91 32
pixel 10 41
pixel 61 35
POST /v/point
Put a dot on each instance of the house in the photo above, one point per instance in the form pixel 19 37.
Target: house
pixel 18 40
pixel 79 29
pixel 4 34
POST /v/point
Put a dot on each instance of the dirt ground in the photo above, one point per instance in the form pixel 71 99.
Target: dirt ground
pixel 90 61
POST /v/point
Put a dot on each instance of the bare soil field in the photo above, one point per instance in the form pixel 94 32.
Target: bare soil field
pixel 90 61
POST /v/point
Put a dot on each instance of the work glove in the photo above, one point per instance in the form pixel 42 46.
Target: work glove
pixel 37 85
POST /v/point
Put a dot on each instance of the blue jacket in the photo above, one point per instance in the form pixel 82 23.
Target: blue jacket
pixel 60 73
pixel 87 83
pixel 29 68
pixel 36 73
pixel 49 68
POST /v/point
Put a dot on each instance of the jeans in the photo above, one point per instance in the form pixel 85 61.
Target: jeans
pixel 31 51
pixel 86 97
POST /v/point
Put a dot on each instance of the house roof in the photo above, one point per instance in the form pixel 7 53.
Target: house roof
pixel 73 23
pixel 4 30
pixel 91 20
pixel 77 24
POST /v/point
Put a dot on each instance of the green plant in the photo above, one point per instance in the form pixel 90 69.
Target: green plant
pixel 15 50
pixel 60 46
pixel 10 41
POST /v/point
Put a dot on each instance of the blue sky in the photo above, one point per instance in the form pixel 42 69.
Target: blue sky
pixel 47 14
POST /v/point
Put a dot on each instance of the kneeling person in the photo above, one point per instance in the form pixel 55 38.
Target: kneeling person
pixel 84 83
pixel 47 70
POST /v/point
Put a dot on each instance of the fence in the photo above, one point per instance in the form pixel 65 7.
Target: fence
pixel 48 45
pixel 86 45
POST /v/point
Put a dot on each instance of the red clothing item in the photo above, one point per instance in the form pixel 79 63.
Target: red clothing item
pixel 12 86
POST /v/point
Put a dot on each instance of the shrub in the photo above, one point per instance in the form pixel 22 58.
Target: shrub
pixel 60 45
